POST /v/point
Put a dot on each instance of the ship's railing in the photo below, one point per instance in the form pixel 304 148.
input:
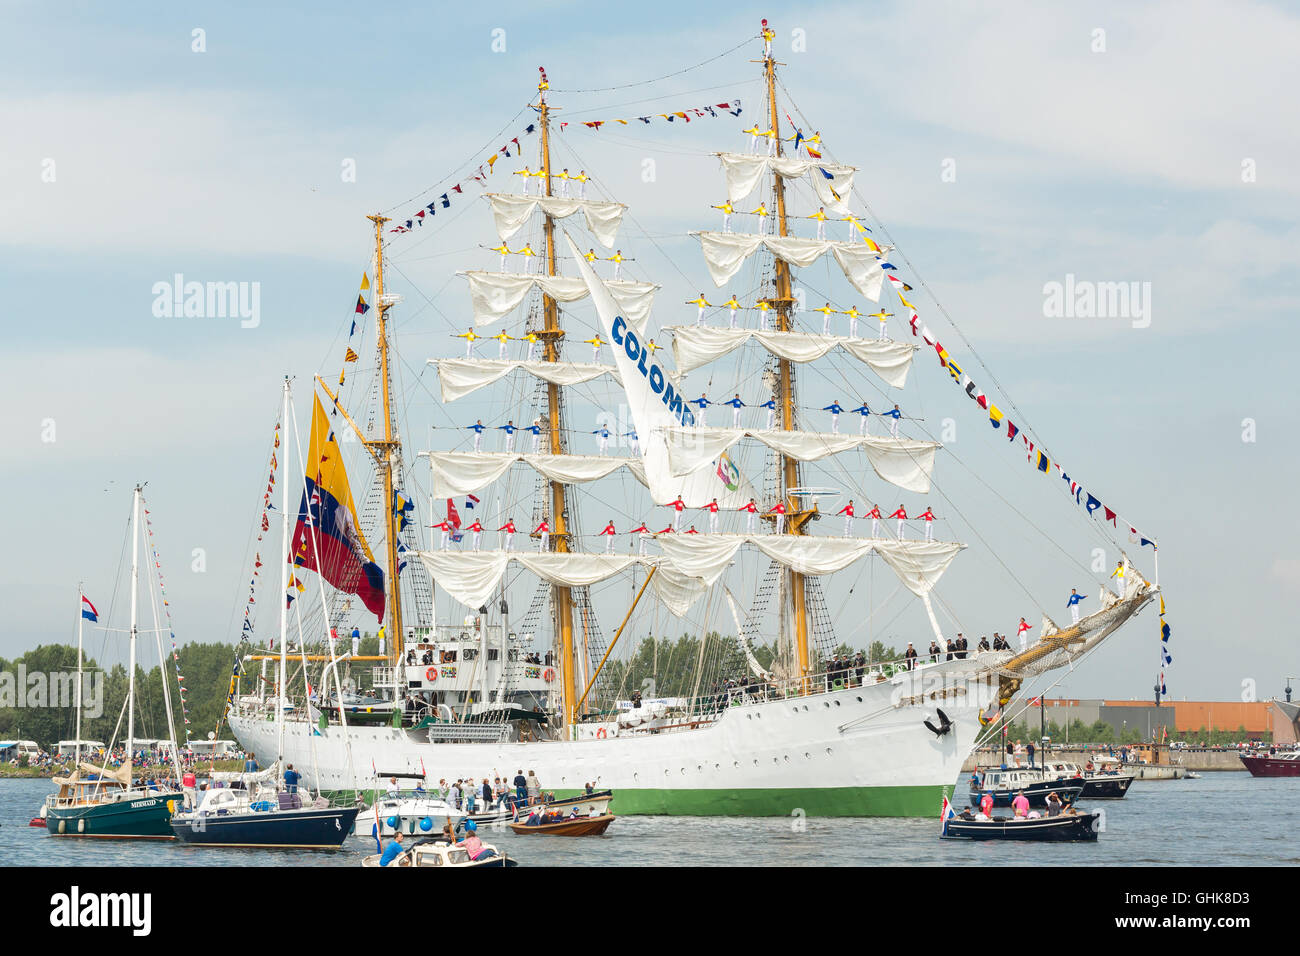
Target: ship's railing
pixel 689 713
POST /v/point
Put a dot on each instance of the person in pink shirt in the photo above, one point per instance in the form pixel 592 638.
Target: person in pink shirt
pixel 1020 804
pixel 986 805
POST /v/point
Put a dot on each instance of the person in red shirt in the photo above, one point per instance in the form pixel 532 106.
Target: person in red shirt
pixel 712 509
pixel 779 511
pixel 1023 634
pixel 874 515
pixel 609 530
pixel 847 511
pixel 478 532
pixel 544 530
pixel 509 529
pixel 680 506
pixel 751 510
pixel 644 532
pixel 928 517
pixel 445 528
pixel 668 530
pixel 901 515
pixel 691 530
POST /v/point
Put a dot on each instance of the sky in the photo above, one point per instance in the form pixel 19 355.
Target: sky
pixel 1000 148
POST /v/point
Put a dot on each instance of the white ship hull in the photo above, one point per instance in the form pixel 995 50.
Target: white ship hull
pixel 860 751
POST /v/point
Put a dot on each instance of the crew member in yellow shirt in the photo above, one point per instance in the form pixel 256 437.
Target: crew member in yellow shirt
pixel 703 303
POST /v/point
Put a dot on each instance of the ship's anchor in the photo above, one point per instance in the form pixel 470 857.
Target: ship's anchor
pixel 945 724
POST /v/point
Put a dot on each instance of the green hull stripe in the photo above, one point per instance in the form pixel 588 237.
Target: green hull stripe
pixel 779 802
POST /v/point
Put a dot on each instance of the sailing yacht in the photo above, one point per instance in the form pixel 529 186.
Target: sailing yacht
pixel 99 802
pixel 481 690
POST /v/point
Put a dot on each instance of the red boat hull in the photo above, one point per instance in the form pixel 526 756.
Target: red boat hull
pixel 1264 766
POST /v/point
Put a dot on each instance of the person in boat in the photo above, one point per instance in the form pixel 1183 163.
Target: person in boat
pixel 976 780
pixel 472 845
pixel 1020 804
pixel 521 787
pixel 393 789
pixel 986 805
pixel 534 788
pixel 393 850
pixel 1054 805
pixel 291 778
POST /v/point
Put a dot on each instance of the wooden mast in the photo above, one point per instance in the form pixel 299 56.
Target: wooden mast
pixel 795 518
pixel 551 335
pixel 384 450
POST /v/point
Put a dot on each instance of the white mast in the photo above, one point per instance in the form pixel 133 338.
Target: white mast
pixel 284 589
pixel 135 586
pixel 81 601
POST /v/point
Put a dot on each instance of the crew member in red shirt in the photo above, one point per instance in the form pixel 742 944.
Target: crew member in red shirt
pixel 847 511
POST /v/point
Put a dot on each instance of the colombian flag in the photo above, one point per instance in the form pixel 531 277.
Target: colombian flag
pixel 328 539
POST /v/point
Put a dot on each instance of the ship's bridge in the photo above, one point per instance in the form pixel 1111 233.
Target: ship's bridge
pixel 475 657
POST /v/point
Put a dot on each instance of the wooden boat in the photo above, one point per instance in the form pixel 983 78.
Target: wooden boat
pixel 438 853
pixel 1066 828
pixel 569 826
pixel 1273 765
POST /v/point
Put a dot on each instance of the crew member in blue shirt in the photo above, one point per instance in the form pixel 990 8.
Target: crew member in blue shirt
pixel 291 778
pixel 834 409
pixel 1073 604
pixel 703 403
pixel 393 849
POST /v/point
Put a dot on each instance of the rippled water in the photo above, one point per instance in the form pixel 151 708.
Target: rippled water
pixel 1221 819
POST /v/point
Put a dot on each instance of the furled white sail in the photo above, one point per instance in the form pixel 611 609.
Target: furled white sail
pixel 472 577
pixel 460 377
pixel 697 345
pixel 655 402
pixel 726 252
pixel 511 212
pixel 918 564
pixel 744 171
pixel 493 294
pixel 904 462
pixel 457 473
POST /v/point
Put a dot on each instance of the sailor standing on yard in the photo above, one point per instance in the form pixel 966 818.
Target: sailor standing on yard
pixel 1073 604
pixel 677 518
pixel 536 429
pixel 642 532
pixel 835 409
pixel 928 517
pixel 610 532
pixel 509 530
pixel 703 403
pixel 702 303
pixel 712 509
pixel 1023 633
pixel 847 511
pixel 1118 575
pixel 865 414
pixel 770 405
pixel 543 531
pixel 874 515
pixel 895 414
pixel 751 515
pixel 477 428
pixel 509 428
pixel 736 405
pixel 477 529
pixel 603 435
pixel 901 515
pixel 733 304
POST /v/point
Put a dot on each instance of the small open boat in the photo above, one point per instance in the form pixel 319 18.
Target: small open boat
pixel 440 853
pixel 567 826
pixel 1066 828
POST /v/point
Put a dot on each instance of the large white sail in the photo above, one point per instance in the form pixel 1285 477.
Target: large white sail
pixel 695 346
pixel 726 252
pixel 461 377
pixel 656 405
pixel 511 213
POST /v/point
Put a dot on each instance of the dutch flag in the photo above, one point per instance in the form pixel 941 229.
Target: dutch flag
pixel 88 610
pixel 947 814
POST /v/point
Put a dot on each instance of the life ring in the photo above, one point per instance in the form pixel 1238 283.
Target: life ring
pixel 548 675
pixel 431 674
pixel 602 733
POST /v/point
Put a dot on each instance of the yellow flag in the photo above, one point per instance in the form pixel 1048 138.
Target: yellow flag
pixel 492 160
pixel 350 357
pixel 365 282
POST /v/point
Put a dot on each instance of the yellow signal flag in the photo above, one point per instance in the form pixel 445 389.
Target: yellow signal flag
pixel 351 356
pixel 365 282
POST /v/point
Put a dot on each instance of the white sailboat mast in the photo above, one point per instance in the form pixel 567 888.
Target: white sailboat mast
pixel 135 587
pixel 81 619
pixel 284 589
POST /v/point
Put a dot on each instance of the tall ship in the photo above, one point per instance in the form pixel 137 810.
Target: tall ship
pixel 464 683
